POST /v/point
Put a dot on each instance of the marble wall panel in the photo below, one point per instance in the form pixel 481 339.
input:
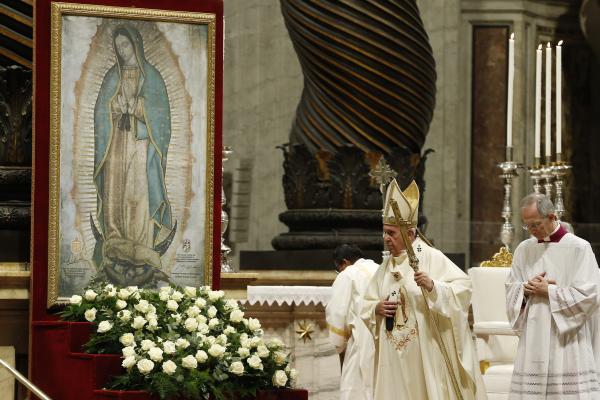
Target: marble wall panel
pixel 488 129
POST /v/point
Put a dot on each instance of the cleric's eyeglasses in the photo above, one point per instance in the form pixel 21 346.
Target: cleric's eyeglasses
pixel 532 225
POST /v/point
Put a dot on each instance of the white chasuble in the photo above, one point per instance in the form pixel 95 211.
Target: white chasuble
pixel 558 354
pixel 348 332
pixel 409 363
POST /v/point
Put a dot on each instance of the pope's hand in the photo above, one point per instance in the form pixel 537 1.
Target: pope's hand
pixel 386 308
pixel 423 280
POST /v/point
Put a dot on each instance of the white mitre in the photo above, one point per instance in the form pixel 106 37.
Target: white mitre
pixel 408 204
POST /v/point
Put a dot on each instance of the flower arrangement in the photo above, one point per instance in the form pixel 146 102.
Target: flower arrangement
pixel 189 342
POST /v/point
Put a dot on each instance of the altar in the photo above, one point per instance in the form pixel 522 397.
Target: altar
pixel 295 314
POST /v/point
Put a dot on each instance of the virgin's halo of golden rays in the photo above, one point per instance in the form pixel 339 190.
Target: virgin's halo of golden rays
pixel 100 58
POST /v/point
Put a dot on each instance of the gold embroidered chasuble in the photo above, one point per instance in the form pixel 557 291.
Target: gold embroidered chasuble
pixel 408 361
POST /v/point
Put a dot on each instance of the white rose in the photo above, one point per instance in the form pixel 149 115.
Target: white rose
pixel 193 311
pixel 172 305
pixel 138 322
pixel 177 296
pixel 255 341
pixel 124 294
pixel 191 324
pixel 243 352
pixel 104 326
pixel 255 362
pixel 211 340
pixel 213 323
pixel 200 302
pixel 237 368
pixel 262 351
pixel 128 362
pixel 90 295
pixel 134 292
pixel 163 296
pixel 203 329
pixel 182 343
pixel 280 378
pixel 253 324
pixel 222 339
pixel 169 347
pixel 236 316
pixel 201 319
pixel 279 357
pixel 90 315
pixel 212 312
pixel 112 293
pixel 201 356
pixel 124 315
pixel 155 354
pixel 229 330
pixel 216 350
pixel 127 339
pixel 120 304
pixel 274 343
pixel 152 324
pixel 145 366
pixel 293 374
pixel 176 317
pixel 189 291
pixel 215 295
pixel 142 306
pixel 76 300
pixel 128 351
pixel 169 367
pixel 231 304
pixel 246 343
pixel 166 289
pixel 109 288
pixel 244 336
pixel 189 362
pixel 147 344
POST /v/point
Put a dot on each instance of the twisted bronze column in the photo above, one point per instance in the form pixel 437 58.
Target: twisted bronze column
pixel 369 74
pixel 369 92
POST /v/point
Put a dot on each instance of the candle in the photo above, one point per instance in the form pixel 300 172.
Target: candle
pixel 559 98
pixel 538 100
pixel 511 78
pixel 548 152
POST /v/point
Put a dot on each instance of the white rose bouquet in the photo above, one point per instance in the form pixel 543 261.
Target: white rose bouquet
pixel 188 342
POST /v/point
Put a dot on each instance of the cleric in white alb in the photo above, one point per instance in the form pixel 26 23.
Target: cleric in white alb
pixel 552 298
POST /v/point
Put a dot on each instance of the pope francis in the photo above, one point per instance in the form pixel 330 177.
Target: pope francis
pixel 418 314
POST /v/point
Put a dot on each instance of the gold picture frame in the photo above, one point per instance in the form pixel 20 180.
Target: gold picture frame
pixel 131 155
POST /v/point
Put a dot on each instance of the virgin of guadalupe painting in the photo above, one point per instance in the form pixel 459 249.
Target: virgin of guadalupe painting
pixel 132 131
pixel 132 184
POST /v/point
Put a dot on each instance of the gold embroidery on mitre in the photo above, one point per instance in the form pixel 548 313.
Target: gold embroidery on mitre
pixel 408 203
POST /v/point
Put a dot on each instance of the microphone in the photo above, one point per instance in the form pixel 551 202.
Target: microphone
pixel 389 323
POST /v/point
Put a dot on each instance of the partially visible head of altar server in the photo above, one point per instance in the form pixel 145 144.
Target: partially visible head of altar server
pixel 345 255
pixel 538 215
